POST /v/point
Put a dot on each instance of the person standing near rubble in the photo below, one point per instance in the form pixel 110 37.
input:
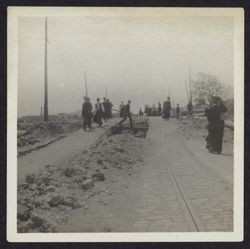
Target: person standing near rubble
pixel 215 125
pixel 105 107
pixel 109 109
pixel 159 109
pixel 122 107
pixel 98 112
pixel 177 111
pixel 86 113
pixel 127 114
pixel 166 109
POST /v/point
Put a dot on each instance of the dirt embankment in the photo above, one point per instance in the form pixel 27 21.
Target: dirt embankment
pixel 34 134
pixel 195 129
pixel 46 199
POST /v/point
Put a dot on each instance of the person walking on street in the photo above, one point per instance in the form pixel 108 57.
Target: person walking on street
pixel 215 125
pixel 98 112
pixel 86 113
pixel 177 111
pixel 127 114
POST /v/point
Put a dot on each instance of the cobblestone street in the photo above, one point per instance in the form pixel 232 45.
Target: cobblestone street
pixel 174 191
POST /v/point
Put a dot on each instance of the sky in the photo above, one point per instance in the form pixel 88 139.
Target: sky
pixel 136 57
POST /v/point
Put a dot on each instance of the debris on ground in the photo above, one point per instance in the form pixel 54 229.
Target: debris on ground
pixel 46 197
pixel 33 133
pixel 196 129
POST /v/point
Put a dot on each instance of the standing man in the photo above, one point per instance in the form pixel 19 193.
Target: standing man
pixel 109 108
pixel 86 113
pixel 159 109
pixel 177 111
pixel 166 109
pixel 127 114
pixel 215 125
pixel 105 107
pixel 98 112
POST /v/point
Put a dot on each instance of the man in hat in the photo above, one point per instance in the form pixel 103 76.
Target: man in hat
pixel 215 125
pixel 98 112
pixel 127 114
pixel 86 113
pixel 177 111
pixel 105 107
pixel 166 109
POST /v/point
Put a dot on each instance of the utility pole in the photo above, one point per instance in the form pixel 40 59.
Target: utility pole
pixel 187 90
pixel 41 111
pixel 190 86
pixel 46 112
pixel 106 93
pixel 86 86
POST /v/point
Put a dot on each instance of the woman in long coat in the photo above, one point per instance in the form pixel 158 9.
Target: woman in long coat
pixel 215 125
pixel 98 112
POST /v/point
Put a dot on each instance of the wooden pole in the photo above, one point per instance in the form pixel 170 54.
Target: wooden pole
pixel 86 86
pixel 190 86
pixel 46 112
pixel 187 90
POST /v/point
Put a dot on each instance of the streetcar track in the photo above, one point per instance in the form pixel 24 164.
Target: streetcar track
pixel 191 216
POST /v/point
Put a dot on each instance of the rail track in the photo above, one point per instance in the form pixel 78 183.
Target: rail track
pixel 193 221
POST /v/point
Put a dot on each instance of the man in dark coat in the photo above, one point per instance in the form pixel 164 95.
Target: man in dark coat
pixel 215 125
pixel 177 111
pixel 86 113
pixel 127 114
pixel 159 109
pixel 105 107
pixel 109 108
pixel 98 112
pixel 166 109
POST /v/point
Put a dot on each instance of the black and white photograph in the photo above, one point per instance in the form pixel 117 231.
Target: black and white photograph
pixel 125 124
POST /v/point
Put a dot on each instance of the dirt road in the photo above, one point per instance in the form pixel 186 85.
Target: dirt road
pixel 180 187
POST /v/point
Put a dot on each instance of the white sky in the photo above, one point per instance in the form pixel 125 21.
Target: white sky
pixel 134 57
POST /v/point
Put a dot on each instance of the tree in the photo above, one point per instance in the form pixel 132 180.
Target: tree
pixel 206 86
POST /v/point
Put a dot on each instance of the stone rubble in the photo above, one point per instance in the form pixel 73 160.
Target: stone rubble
pixel 46 197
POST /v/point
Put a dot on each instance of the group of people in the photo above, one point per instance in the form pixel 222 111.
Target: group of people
pixel 213 113
pixel 102 111
pixel 161 111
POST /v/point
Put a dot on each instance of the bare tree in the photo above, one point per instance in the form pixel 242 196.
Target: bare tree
pixel 206 86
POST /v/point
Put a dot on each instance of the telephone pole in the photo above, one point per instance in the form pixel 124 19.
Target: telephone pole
pixel 86 86
pixel 106 93
pixel 190 86
pixel 46 112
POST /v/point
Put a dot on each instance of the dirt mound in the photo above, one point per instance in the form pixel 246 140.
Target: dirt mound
pixel 46 198
pixel 39 131
pixel 44 129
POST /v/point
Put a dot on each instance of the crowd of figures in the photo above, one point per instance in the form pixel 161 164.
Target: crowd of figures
pixel 101 111
pixel 161 110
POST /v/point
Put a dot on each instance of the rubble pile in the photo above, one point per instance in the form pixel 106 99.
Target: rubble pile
pixel 38 132
pixel 45 199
